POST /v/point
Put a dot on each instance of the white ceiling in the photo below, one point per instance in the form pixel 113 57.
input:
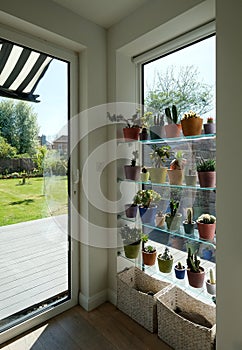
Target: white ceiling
pixel 102 12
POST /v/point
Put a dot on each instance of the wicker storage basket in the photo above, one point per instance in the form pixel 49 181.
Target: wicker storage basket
pixel 177 331
pixel 132 298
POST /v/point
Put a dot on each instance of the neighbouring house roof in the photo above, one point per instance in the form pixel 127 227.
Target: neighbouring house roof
pixel 20 71
pixel 61 139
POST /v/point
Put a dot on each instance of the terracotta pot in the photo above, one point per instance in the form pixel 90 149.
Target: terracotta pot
pixel 196 279
pixel 207 178
pixel 132 172
pixel 211 288
pixel 131 134
pixel 173 130
pixel 192 126
pixel 157 132
pixel 132 250
pixel 164 265
pixel 175 176
pixel 206 231
pixel 209 128
pixel 149 258
pixel 158 175
pixel 191 180
pixel 131 210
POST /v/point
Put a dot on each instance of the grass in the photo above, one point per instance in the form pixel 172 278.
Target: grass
pixel 37 198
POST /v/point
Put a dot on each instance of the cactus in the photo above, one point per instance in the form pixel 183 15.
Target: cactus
pixel 193 263
pixel 166 255
pixel 174 205
pixel 179 266
pixel 171 115
pixel 212 278
pixel 189 215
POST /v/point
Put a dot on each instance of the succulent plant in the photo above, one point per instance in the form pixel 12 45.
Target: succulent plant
pixel 174 205
pixel 210 120
pixel 146 197
pixel 178 162
pixel 189 215
pixel 144 170
pixel 212 278
pixel 149 249
pixel 190 115
pixel 159 154
pixel 171 114
pixel 130 234
pixel 135 157
pixel 193 263
pixel 206 219
pixel 206 165
pixel 166 255
pixel 179 266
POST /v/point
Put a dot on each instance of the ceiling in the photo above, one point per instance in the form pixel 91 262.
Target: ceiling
pixel 102 12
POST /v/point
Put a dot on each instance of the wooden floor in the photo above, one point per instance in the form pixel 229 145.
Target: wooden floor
pixel 105 328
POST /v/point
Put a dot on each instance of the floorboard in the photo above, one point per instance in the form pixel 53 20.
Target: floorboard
pixel 105 328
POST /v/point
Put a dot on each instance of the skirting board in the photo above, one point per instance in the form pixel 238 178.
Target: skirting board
pixel 90 303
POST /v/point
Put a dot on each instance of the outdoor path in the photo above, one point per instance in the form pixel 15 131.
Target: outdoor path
pixel 33 263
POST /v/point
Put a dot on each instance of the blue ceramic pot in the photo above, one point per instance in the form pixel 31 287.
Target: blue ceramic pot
pixel 148 215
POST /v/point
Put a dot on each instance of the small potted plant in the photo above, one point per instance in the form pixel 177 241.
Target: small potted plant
pixel 206 225
pixel 148 252
pixel 195 272
pixel 206 169
pixel 210 126
pixel 191 124
pixel 131 237
pixel 189 224
pixel 175 173
pixel 132 172
pixel 180 271
pixel 165 261
pixel 133 125
pixel 173 128
pixel 211 283
pixel 173 219
pixel 147 199
pixel 158 157
pixel 144 175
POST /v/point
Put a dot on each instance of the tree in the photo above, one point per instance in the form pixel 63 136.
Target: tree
pixel 18 125
pixel 182 88
pixel 6 151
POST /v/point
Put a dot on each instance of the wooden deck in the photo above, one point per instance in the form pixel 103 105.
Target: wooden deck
pixel 33 263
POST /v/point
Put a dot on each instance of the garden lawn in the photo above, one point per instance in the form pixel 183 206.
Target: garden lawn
pixel 37 198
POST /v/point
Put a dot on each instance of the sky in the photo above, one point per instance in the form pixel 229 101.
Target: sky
pixel 52 110
pixel 200 55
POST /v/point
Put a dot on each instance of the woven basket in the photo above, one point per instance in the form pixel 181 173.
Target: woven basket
pixel 177 331
pixel 132 298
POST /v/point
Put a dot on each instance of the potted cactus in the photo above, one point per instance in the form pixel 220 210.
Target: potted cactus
pixel 158 157
pixel 173 219
pixel 132 172
pixel 175 173
pixel 195 272
pixel 206 169
pixel 147 199
pixel 148 252
pixel 144 175
pixel 211 283
pixel 189 224
pixel 210 126
pixel 165 261
pixel 191 124
pixel 180 271
pixel 131 237
pixel 173 128
pixel 206 224
pixel 157 130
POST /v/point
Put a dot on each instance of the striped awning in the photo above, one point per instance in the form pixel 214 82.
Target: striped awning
pixel 20 71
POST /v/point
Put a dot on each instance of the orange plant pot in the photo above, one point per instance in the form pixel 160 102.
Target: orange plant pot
pixel 206 231
pixel 131 133
pixel 192 126
pixel 149 259
pixel 173 130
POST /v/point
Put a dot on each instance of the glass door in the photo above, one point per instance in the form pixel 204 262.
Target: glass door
pixel 34 202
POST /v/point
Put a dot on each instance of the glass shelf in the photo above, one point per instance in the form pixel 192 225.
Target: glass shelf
pixel 171 139
pixel 167 184
pixel 199 293
pixel 190 237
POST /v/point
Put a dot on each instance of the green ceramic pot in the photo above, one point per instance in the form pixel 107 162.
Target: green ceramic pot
pixel 164 265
